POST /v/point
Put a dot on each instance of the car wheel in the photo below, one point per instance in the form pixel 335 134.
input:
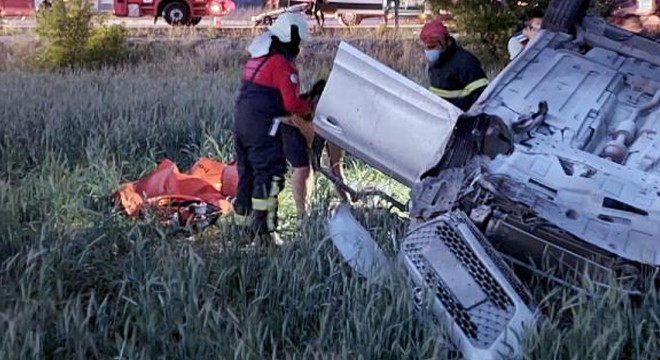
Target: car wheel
pixel 349 19
pixel 195 21
pixel 176 13
pixel 563 15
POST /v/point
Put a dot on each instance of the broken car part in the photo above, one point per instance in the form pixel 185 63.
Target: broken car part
pixel 475 295
pixel 380 116
pixel 557 165
pixel 583 169
pixel 356 246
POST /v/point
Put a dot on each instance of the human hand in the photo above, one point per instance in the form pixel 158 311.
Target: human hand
pixel 531 29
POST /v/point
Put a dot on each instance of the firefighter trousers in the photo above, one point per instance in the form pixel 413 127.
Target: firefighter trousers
pixel 261 169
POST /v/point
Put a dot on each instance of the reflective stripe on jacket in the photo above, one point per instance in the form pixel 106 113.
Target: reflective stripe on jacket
pixel 457 76
pixel 460 93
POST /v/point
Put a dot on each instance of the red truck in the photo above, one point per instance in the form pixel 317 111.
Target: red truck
pixel 175 12
pixel 16 8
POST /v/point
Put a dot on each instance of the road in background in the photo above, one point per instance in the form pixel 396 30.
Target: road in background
pixel 206 23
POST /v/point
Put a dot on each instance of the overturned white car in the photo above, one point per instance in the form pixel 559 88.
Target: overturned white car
pixel 557 164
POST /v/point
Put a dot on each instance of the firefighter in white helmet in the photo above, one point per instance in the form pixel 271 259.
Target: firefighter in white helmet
pixel 270 89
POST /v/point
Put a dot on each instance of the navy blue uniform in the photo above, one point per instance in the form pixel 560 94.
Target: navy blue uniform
pixel 457 76
pixel 269 90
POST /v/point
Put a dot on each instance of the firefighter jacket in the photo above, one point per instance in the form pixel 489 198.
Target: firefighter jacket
pixel 457 76
pixel 270 89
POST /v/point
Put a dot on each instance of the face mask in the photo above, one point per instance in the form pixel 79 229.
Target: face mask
pixel 432 55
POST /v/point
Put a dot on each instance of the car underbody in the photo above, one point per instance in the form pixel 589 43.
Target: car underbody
pixel 555 167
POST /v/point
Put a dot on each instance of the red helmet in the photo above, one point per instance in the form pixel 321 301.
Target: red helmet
pixel 432 31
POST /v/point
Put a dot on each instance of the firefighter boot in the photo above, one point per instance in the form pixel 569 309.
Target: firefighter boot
pixel 265 210
pixel 265 240
pixel 243 219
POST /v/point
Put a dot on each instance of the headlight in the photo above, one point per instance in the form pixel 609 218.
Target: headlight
pixel 216 8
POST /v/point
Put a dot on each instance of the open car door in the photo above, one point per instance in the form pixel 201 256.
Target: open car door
pixel 383 118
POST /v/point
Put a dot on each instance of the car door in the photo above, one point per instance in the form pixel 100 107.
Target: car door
pixel 383 118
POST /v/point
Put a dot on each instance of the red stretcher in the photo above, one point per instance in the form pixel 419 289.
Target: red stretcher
pixel 194 199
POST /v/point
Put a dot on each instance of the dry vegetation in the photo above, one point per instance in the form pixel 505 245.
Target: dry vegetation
pixel 80 281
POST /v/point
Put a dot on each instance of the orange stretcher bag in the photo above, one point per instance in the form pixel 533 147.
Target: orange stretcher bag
pixel 195 198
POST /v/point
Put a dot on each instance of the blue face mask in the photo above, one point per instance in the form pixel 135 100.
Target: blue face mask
pixel 432 55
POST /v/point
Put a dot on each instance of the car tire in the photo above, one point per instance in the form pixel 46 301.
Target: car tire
pixel 176 14
pixel 564 15
pixel 195 21
pixel 349 19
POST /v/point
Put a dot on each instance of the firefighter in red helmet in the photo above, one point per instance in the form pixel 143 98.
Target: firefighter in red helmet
pixel 455 74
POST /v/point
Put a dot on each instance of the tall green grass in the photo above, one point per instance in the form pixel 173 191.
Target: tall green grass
pixel 80 281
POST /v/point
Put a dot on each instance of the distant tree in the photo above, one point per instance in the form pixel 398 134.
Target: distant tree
pixel 604 7
pixel 73 40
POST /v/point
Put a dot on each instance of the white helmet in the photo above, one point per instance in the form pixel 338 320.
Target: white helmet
pixel 282 27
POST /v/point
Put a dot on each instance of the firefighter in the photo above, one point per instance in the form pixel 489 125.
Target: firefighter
pixel 454 73
pixel 269 90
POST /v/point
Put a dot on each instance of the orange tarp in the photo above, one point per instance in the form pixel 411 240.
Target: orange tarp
pixel 208 181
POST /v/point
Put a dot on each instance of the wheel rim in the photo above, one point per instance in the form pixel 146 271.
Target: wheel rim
pixel 349 18
pixel 176 15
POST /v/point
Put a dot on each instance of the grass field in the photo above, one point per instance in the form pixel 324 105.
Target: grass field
pixel 80 281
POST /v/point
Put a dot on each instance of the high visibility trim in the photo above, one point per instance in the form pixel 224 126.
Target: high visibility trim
pixel 264 204
pixel 271 219
pixel 275 186
pixel 460 93
pixel 269 206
